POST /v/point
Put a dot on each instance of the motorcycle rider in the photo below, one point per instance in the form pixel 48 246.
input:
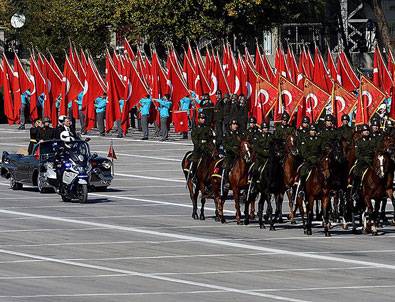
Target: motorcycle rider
pixel 61 154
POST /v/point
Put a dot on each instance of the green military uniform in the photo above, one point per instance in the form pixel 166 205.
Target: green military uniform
pixel 262 148
pixel 302 135
pixel 253 134
pixel 310 150
pixel 242 116
pixel 345 132
pixel 207 107
pixel 282 131
pixel 364 152
pixel 232 142
pixel 328 136
pixel 202 138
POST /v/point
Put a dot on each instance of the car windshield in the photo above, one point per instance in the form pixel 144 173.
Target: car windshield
pixel 77 147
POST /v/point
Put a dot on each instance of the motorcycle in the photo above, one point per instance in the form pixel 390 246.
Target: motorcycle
pixel 69 176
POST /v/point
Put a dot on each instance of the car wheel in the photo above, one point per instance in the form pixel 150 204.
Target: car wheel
pixel 100 189
pixel 14 185
pixel 40 185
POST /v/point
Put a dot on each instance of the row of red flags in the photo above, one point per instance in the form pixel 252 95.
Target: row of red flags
pixel 303 87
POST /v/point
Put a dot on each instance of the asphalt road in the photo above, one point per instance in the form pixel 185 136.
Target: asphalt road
pixel 138 242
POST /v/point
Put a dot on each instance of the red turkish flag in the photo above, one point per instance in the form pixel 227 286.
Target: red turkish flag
pixel 8 104
pixel 71 86
pixel 266 96
pixel 180 121
pixel 189 72
pixel 332 67
pixel 55 67
pixel 292 66
pixel 316 100
pixel 346 75
pixel 115 91
pixel 218 76
pixel 135 91
pixel 177 85
pixel 128 50
pixel 381 76
pixel 95 88
pixel 289 99
pixel 321 75
pixel 54 86
pixel 369 99
pixel 39 87
pixel 202 85
pixel 260 66
pixel 343 102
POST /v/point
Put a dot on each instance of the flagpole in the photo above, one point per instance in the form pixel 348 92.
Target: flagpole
pixel 112 159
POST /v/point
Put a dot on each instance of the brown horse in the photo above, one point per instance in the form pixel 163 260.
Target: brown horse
pixel 374 186
pixel 238 180
pixel 389 148
pixel 203 177
pixel 290 166
pixel 316 188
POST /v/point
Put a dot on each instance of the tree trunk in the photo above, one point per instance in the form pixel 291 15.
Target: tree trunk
pixel 383 29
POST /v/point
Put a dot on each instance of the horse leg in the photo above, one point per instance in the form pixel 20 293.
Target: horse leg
pixel 310 215
pixel 194 196
pixel 325 211
pixel 236 196
pixel 279 207
pixel 270 211
pixel 383 216
pixel 291 206
pixel 301 206
pixel 261 203
pixel 318 211
pixel 252 209
pixel 336 204
pixel 202 216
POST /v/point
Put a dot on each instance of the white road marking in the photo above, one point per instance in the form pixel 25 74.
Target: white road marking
pixel 148 142
pixel 150 276
pixel 150 177
pixel 143 156
pixel 208 241
pixel 50 230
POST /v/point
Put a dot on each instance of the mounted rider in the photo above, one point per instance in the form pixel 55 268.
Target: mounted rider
pixel 310 150
pixel 376 133
pixel 253 132
pixel 283 130
pixel 364 152
pixel 203 143
pixel 232 142
pixel 304 129
pixel 345 131
pixel 262 149
pixel 329 134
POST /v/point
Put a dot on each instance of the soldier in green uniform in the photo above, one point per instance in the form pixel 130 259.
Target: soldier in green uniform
pixel 202 139
pixel 242 114
pixel 389 128
pixel 283 129
pixel 232 142
pixel 253 132
pixel 364 152
pixel 329 134
pixel 207 107
pixel 345 131
pixel 303 131
pixel 377 135
pixel 262 146
pixel 310 150
pixel 219 117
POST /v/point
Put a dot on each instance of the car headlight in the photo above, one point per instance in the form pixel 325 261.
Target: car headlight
pixel 106 164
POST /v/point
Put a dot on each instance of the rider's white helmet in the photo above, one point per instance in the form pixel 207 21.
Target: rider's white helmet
pixel 61 119
pixel 66 138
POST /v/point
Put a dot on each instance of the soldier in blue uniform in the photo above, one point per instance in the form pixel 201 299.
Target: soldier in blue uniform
pixel 25 100
pixel 100 106
pixel 81 114
pixel 144 107
pixel 185 105
pixel 164 112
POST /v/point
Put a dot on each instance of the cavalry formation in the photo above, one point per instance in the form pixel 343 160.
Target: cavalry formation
pixel 347 173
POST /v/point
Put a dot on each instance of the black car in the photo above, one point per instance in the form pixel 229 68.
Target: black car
pixel 30 169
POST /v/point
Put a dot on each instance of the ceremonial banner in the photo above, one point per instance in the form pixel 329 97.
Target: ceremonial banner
pixel 180 121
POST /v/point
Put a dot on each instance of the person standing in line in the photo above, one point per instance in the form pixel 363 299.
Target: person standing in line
pixel 144 106
pixel 100 105
pixel 164 105
pixel 185 104
pixel 25 100
pixel 119 122
pixel 81 114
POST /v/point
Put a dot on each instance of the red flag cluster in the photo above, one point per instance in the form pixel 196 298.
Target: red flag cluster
pixel 301 87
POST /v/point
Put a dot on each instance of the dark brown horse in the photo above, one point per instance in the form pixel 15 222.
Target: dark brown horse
pixel 389 148
pixel 290 166
pixel 203 177
pixel 238 180
pixel 316 188
pixel 374 187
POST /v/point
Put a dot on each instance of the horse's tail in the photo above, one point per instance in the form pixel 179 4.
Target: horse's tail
pixel 185 169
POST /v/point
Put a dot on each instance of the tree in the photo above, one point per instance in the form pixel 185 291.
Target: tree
pixel 383 29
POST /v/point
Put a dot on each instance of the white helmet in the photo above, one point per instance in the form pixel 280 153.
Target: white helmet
pixel 66 137
pixel 61 119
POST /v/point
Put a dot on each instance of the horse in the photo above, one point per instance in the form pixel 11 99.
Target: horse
pixel 238 180
pixel 316 188
pixel 203 177
pixel 374 186
pixel 268 182
pixel 290 168
pixel 389 148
